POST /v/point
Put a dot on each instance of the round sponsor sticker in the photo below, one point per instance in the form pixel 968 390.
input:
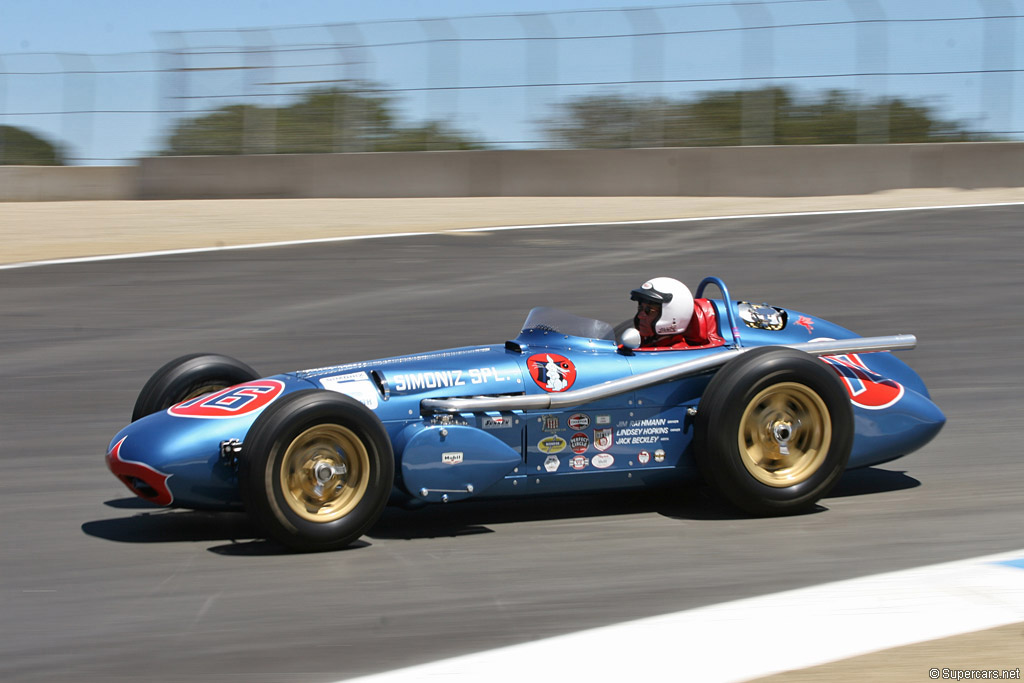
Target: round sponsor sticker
pixel 579 422
pixel 603 461
pixel 241 399
pixel 643 457
pixel 659 455
pixel 579 442
pixel 578 462
pixel 551 371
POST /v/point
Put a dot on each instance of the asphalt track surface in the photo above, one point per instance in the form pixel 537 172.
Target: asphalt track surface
pixel 97 586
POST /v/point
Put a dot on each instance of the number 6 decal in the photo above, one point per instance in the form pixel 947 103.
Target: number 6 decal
pixel 235 401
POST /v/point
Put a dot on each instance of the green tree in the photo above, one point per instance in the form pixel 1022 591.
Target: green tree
pixel 20 147
pixel 775 115
pixel 320 121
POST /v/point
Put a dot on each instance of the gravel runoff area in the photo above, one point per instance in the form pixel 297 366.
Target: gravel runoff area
pixel 34 231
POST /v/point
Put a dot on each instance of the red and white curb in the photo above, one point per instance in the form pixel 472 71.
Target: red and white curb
pixel 744 639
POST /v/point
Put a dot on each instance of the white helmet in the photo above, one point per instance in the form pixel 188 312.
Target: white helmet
pixel 675 299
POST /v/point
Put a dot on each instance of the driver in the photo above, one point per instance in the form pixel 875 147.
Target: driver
pixel 664 307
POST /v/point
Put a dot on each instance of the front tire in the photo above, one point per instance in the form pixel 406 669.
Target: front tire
pixel 773 431
pixel 189 377
pixel 316 470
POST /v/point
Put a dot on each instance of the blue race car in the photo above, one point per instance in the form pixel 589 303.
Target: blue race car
pixel 767 404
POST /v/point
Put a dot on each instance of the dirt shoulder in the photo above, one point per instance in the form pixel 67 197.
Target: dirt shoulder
pixel 32 231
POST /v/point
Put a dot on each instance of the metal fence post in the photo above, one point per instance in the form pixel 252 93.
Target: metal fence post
pixel 3 111
pixel 758 117
pixel 173 89
pixel 259 122
pixel 541 58
pixel 78 65
pixel 998 59
pixel 647 71
pixel 349 115
pixel 872 63
pixel 440 32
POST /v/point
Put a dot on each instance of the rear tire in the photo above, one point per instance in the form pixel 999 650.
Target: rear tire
pixel 188 377
pixel 316 470
pixel 773 431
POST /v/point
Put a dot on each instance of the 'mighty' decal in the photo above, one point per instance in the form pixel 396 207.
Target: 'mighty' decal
pixel 551 371
pixel 867 388
pixel 231 402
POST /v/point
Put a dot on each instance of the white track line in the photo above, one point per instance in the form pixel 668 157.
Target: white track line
pixel 737 641
pixel 322 240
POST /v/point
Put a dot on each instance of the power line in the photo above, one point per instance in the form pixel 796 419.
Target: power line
pixel 372 91
pixel 323 47
pixel 316 47
pixel 513 15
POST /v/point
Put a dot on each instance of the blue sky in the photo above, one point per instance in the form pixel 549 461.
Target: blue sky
pixel 700 51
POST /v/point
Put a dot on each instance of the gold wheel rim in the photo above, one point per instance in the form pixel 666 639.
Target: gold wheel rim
pixel 784 434
pixel 324 473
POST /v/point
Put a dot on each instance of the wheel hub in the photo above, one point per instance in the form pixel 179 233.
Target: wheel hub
pixel 782 432
pixel 323 471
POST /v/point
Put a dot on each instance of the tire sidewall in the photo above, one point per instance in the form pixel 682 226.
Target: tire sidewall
pixel 264 450
pixel 177 379
pixel 718 426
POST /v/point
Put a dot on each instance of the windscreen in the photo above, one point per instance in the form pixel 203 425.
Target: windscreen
pixel 554 320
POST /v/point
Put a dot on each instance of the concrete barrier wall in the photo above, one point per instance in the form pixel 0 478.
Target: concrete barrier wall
pixel 705 171
pixel 66 183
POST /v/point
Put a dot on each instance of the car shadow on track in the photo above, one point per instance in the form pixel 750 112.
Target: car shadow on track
pixel 868 480
pixel 690 502
pixel 151 524
pixel 478 516
pixel 157 525
pixel 693 501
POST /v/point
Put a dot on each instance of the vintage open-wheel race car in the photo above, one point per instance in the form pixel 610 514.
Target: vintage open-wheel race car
pixel 767 404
